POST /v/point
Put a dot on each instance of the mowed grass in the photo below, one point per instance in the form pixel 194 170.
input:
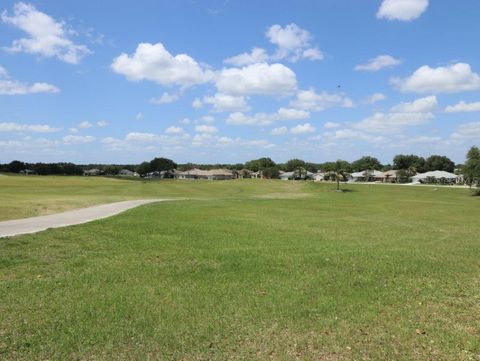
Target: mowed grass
pixel 252 271
pixel 29 196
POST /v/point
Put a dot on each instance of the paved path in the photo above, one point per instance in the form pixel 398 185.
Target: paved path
pixel 69 218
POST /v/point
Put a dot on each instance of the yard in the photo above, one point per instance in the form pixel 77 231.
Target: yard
pixel 242 270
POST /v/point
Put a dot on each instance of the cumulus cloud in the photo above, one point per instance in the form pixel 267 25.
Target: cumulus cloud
pixel 3 72
pixel 14 87
pixel 257 79
pixel 174 130
pixel 257 55
pixel 46 36
pixel 310 100
pixel 466 132
pixel 208 129
pixel 153 62
pixel 378 63
pixel 352 134
pixel 165 98
pixel 262 119
pixel 293 43
pixel 444 79
pixel 102 123
pixel 34 128
pixel 197 103
pixel 403 10
pixel 463 107
pixel 331 125
pixel 404 114
pixel 374 98
pixel 227 103
pixel 85 125
pixel 302 129
pixel 139 116
pixel 279 131
pixel 77 139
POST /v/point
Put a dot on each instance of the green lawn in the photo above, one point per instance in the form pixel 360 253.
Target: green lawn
pixel 244 270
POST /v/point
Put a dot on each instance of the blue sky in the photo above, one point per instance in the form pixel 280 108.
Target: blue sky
pixel 229 81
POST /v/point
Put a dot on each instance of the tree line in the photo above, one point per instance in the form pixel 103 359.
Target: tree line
pixel 406 165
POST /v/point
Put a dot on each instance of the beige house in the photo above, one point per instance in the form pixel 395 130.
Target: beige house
pixel 212 174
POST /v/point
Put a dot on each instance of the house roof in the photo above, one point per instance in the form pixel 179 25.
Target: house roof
pixel 435 174
pixel 373 173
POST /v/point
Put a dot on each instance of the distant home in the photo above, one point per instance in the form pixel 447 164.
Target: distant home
pixel 164 174
pixel 435 176
pixel 27 172
pixel 92 172
pixel 367 175
pixel 128 173
pixel 292 175
pixel 319 176
pixel 212 174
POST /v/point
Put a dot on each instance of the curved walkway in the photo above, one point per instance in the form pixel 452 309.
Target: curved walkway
pixel 69 218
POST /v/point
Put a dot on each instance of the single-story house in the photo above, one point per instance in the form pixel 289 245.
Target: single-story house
pixel 319 176
pixel 292 175
pixel 128 173
pixel 91 172
pixel 256 175
pixel 390 176
pixel 212 174
pixel 27 171
pixel 435 175
pixel 164 174
pixel 367 175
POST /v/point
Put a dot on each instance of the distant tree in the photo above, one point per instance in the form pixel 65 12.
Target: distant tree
pixel 471 168
pixel 159 164
pixel 366 163
pixel 260 164
pixel 411 163
pixel 144 168
pixel 271 173
pixel 294 164
pixel 300 173
pixel 15 166
pixel 337 172
pixel 112 169
pixel 439 162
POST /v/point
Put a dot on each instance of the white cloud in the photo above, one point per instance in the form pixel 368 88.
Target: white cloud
pixel 139 116
pixel 174 130
pixel 380 62
pixel 197 103
pixel 13 87
pixel 102 123
pixel 185 121
pixel 47 37
pixel 257 55
pixel 279 131
pixel 77 139
pixel 376 97
pixel 153 62
pixel 422 105
pixel 209 129
pixel 293 43
pixel 401 115
pixel 302 129
pixel 73 130
pixel 352 134
pixel 165 98
pixel 463 107
pixel 257 79
pixel 448 79
pixel 140 137
pixel 34 128
pixel 262 119
pixel 207 119
pixel 310 100
pixel 467 132
pixel 331 125
pixel 403 10
pixel 85 125
pixel 227 103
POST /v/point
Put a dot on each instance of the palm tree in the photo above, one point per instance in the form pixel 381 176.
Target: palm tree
pixel 338 173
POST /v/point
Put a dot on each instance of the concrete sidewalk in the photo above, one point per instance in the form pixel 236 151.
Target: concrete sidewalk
pixel 69 218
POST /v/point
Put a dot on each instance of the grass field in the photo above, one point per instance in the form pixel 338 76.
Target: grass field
pixel 242 270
